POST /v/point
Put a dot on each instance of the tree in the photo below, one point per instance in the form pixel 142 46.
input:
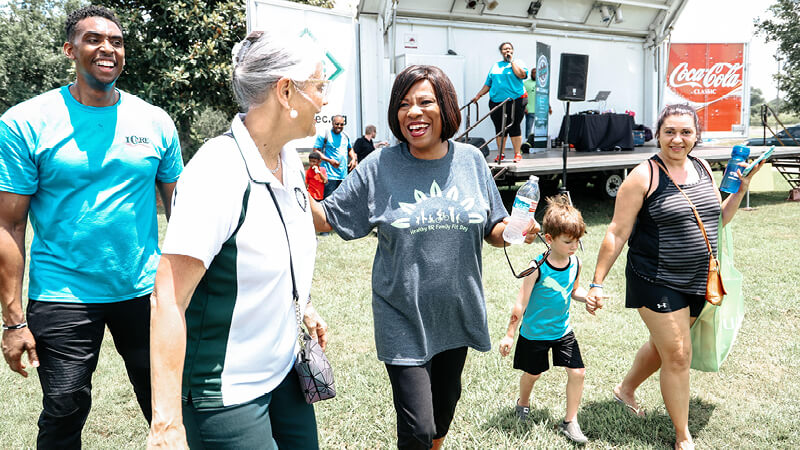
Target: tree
pixel 756 100
pixel 320 3
pixel 756 96
pixel 31 37
pixel 178 56
pixel 784 28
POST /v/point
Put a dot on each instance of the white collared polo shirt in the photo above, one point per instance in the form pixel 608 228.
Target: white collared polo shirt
pixel 241 325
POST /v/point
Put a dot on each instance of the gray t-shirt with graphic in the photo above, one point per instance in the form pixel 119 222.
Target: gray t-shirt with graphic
pixel 432 217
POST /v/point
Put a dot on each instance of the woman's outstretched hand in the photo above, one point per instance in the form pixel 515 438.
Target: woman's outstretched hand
pixel 745 185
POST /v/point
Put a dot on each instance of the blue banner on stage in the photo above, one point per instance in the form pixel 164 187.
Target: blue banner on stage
pixel 540 125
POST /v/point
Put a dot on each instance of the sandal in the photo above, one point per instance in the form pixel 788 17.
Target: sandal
pixel 634 410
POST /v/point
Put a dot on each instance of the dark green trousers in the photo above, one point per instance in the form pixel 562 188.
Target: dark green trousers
pixel 280 419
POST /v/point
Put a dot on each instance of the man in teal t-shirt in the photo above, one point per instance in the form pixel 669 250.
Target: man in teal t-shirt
pixel 337 153
pixel 82 162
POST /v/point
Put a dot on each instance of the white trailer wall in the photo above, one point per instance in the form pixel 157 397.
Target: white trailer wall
pixel 617 66
pixel 369 51
pixel 336 33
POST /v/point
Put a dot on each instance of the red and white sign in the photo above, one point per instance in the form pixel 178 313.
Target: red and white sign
pixel 709 77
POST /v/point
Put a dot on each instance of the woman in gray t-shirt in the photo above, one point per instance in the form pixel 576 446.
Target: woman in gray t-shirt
pixel 433 202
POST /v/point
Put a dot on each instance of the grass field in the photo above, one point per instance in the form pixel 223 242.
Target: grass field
pixel 751 403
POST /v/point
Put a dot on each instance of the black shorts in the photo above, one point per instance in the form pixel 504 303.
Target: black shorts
pixel 531 356
pixel 518 107
pixel 640 292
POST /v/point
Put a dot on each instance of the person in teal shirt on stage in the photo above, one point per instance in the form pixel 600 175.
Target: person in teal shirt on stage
pixel 504 82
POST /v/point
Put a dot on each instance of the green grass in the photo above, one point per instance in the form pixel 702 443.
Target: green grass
pixel 751 403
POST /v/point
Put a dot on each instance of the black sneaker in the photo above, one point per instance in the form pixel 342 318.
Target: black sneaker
pixel 522 412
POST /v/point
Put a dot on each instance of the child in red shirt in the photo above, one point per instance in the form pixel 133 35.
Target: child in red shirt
pixel 316 176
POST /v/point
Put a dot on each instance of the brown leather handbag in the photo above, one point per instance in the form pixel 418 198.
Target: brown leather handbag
pixel 715 290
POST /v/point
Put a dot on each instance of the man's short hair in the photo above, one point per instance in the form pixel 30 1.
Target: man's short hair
pixel 315 155
pixel 88 11
pixel 339 116
pixel 369 129
pixel 445 96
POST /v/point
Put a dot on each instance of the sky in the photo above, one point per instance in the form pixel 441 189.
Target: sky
pixel 732 21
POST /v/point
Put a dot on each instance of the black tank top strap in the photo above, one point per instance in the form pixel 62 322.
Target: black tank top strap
pixel 662 181
pixel 702 171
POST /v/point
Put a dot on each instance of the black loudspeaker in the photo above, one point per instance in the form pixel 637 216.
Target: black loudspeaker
pixel 572 77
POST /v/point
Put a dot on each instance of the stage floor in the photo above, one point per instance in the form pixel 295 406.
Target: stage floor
pixel 550 162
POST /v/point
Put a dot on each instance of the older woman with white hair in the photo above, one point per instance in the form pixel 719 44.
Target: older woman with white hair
pixel 223 321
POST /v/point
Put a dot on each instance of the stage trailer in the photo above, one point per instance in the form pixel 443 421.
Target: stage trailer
pixel 626 41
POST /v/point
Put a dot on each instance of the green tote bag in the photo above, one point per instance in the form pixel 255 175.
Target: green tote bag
pixel 714 331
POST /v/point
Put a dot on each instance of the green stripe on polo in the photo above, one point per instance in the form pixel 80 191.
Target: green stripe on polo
pixel 208 321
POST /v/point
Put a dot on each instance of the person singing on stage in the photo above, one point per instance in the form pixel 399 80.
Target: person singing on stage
pixel 504 82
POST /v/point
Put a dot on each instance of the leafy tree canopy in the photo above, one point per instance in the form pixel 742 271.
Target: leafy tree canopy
pixel 31 60
pixel 784 28
pixel 756 97
pixel 178 55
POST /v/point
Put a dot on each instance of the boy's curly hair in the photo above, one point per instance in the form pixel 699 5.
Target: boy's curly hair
pixel 87 11
pixel 562 218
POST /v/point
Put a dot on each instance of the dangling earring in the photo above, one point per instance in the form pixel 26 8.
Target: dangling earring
pixel 293 113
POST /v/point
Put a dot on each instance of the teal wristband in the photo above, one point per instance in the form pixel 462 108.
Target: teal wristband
pixel 595 285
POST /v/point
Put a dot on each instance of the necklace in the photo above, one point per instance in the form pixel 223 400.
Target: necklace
pixel 277 168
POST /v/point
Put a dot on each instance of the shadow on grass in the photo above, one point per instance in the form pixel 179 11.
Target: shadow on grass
pixel 506 420
pixel 767 198
pixel 609 422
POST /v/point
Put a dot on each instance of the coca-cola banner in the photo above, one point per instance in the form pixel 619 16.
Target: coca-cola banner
pixel 710 77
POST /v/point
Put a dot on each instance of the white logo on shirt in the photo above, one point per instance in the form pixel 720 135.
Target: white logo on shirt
pixel 552 283
pixel 453 217
pixel 661 305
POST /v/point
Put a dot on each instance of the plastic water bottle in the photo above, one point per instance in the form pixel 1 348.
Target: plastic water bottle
pixel 522 211
pixel 730 181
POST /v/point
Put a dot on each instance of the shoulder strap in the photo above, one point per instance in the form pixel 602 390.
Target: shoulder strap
pixel 705 169
pixel 694 210
pixel 295 295
pixel 650 182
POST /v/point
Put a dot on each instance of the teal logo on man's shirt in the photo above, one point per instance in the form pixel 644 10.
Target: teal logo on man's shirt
pixel 136 140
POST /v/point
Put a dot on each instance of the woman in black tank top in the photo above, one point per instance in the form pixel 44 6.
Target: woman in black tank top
pixel 667 258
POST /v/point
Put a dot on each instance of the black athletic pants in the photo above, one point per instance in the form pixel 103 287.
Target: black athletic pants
pixel 425 398
pixel 68 338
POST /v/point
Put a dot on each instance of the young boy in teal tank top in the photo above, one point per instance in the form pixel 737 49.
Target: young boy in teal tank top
pixel 542 313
